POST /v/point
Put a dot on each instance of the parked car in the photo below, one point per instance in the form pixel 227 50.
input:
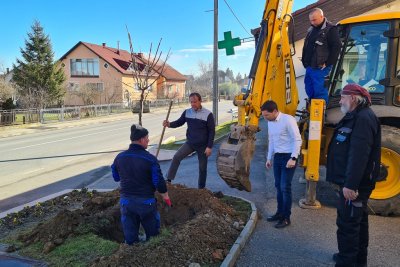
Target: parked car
pixel 136 106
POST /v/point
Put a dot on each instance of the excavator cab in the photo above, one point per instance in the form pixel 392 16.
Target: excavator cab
pixel 370 58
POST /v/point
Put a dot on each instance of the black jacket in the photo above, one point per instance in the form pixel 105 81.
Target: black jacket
pixel 355 150
pixel 138 172
pixel 321 45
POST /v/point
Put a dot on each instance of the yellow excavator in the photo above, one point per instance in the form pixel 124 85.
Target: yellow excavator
pixel 369 57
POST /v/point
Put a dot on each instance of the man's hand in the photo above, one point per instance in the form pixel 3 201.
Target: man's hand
pixel 349 194
pixel 165 123
pixel 208 151
pixel 166 199
pixel 168 202
pixel 268 164
pixel 323 66
pixel 290 164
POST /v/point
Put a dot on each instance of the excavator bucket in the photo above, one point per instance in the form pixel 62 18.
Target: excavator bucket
pixel 234 157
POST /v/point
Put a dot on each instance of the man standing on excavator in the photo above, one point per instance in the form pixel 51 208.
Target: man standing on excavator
pixel 321 49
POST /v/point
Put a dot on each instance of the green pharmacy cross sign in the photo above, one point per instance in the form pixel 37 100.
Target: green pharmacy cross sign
pixel 228 43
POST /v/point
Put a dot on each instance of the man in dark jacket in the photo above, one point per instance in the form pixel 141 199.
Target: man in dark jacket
pixel 140 176
pixel 199 137
pixel 321 49
pixel 354 164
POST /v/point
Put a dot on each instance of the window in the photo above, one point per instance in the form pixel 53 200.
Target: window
pixel 96 86
pixel 136 86
pixel 169 88
pixel 177 88
pixel 365 57
pixel 86 67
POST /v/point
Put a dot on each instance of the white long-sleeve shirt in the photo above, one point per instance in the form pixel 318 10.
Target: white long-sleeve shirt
pixel 283 136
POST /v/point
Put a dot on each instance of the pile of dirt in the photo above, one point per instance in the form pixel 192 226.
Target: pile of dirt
pixel 99 214
pixel 199 228
pixel 43 211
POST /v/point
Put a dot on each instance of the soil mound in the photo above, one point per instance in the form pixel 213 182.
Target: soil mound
pixel 199 228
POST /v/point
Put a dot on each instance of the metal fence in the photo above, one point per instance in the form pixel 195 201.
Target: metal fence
pixel 25 116
pixel 19 116
pixel 80 112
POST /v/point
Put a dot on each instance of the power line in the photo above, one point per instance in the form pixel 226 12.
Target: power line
pixel 236 17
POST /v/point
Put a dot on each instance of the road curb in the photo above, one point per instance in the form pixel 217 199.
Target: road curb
pixel 244 236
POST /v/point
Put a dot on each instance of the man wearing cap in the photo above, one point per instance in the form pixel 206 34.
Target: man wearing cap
pixel 140 176
pixel 199 137
pixel 353 164
pixel 321 49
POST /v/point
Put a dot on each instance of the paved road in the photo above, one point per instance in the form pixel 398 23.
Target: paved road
pixel 73 157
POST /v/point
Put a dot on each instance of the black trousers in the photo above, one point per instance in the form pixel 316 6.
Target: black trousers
pixel 352 232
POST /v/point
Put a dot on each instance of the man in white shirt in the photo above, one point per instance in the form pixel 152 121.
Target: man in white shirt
pixel 284 142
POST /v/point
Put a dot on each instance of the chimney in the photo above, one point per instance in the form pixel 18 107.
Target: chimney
pixel 140 55
pixel 8 70
pixel 104 44
pixel 118 47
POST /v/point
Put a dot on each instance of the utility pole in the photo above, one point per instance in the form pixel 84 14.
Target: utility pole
pixel 215 64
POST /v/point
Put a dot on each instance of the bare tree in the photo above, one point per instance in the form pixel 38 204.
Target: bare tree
pixel 171 95
pixel 146 70
pixel 7 89
pixel 203 82
pixel 112 93
pixel 88 93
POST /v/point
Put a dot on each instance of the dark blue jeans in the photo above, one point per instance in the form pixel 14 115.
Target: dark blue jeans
pixel 136 211
pixel 283 183
pixel 182 153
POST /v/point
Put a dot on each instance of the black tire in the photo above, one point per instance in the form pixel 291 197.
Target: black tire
pixel 390 206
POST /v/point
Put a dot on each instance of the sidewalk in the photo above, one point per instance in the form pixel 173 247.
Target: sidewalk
pixel 311 238
pixel 16 130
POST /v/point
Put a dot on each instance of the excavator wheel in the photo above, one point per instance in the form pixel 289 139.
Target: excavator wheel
pixel 385 199
pixel 234 157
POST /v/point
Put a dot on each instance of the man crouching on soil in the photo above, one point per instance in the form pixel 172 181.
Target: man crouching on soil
pixel 140 176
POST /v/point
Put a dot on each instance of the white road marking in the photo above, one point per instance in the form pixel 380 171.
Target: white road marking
pixel 36 170
pixel 65 139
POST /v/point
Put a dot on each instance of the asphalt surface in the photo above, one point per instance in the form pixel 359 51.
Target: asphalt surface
pixel 38 160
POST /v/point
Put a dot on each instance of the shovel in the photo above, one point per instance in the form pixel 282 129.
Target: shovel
pixel 163 130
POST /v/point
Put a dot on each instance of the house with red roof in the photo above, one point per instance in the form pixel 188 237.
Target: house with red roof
pixel 106 74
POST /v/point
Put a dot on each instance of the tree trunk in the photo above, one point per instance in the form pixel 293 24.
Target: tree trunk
pixel 141 107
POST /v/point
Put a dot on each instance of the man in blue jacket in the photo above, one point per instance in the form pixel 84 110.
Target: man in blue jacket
pixel 199 137
pixel 354 164
pixel 140 176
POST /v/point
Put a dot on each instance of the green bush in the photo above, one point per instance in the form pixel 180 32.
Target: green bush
pixel 8 104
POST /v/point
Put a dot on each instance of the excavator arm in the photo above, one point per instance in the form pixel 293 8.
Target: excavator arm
pixel 271 77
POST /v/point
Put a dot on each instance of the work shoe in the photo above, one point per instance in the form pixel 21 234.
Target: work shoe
pixel 275 217
pixel 282 223
pixel 335 258
pixel 168 181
